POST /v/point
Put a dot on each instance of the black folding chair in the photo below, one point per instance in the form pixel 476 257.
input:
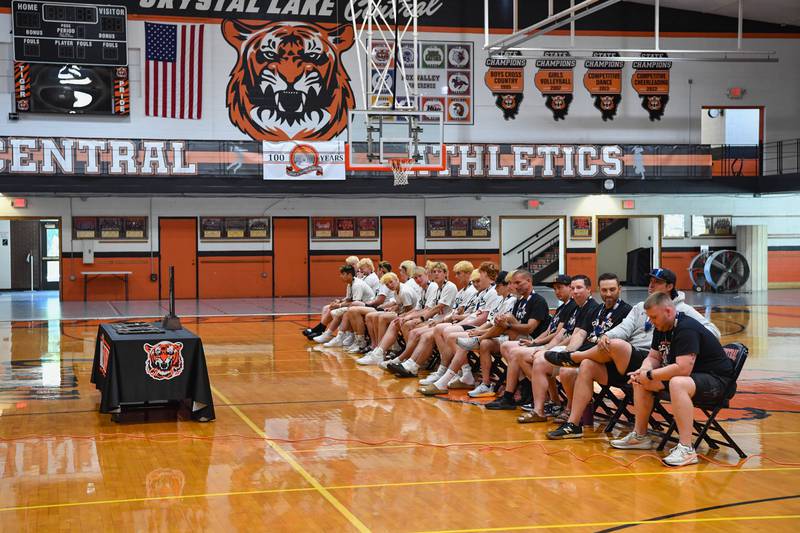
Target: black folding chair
pixel 737 352
pixel 606 404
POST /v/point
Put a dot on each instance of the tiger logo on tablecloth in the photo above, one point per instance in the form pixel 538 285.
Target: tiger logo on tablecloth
pixel 164 360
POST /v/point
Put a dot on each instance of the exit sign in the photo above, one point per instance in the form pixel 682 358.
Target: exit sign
pixel 628 204
pixel 19 203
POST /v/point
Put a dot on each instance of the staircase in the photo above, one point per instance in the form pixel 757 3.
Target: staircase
pixel 539 253
pixel 610 226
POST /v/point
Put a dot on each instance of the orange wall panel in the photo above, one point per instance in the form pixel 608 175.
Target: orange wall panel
pixel 325 280
pixel 582 263
pixel 678 262
pixel 784 266
pixel 235 277
pixel 108 288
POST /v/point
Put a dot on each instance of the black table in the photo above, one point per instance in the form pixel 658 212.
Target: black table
pixel 151 368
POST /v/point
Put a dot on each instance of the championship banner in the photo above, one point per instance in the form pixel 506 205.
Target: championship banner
pixel 650 80
pixel 603 80
pixel 505 78
pixel 554 79
pixel 294 160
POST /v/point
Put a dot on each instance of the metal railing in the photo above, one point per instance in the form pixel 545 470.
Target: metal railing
pixel 767 159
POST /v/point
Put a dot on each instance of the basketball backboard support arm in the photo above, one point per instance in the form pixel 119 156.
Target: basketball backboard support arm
pixel 579 10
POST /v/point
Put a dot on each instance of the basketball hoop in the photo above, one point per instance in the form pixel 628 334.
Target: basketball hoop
pixel 401 166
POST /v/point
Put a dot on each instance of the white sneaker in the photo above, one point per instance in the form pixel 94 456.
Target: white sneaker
pixel 322 339
pixel 385 364
pixel 432 378
pixel 356 347
pixel 681 456
pixel 335 342
pixel 632 441
pixel 348 339
pixel 369 360
pixel 481 391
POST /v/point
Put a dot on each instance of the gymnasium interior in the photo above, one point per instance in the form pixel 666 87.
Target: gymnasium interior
pixel 183 188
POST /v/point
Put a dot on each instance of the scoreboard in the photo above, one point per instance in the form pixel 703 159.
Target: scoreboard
pixel 84 34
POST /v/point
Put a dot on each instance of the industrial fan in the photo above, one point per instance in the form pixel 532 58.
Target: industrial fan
pixel 720 271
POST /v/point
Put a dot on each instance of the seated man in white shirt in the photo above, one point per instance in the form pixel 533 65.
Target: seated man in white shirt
pixel 378 320
pixel 358 291
pixel 325 317
pixel 503 305
pixel 420 341
pixel 393 332
pixel 366 269
pixel 405 299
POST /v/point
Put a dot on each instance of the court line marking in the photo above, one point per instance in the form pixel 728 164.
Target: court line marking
pixel 706 509
pixel 382 485
pixel 601 524
pixel 297 467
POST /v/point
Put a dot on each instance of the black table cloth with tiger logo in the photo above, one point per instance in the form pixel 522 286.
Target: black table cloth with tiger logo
pixel 151 367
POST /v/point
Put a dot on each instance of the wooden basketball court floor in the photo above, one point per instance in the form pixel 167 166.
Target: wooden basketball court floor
pixel 308 441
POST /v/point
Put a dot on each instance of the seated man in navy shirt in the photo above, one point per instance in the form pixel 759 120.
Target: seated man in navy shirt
pixel 687 358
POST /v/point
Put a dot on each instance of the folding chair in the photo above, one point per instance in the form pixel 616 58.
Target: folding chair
pixel 737 352
pixel 606 404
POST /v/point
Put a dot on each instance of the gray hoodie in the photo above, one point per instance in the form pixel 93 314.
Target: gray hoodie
pixel 631 328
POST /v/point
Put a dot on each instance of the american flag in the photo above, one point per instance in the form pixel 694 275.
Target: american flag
pixel 173 72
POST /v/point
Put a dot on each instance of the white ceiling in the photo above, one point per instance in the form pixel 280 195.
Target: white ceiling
pixel 774 11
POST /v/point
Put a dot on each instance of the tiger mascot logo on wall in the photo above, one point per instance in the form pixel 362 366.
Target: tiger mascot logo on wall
pixel 164 360
pixel 289 82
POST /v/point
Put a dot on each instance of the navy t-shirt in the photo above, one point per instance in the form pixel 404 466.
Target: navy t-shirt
pixel 562 314
pixel 603 319
pixel 690 336
pixel 534 307
pixel 579 314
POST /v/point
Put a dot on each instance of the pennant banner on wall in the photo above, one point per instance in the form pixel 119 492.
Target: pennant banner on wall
pixel 651 81
pixel 293 160
pixel 554 79
pixel 603 80
pixel 506 79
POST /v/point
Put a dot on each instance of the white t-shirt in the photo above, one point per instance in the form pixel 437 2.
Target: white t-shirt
pixel 430 299
pixel 466 298
pixel 447 297
pixel 361 292
pixel 505 305
pixel 406 296
pixel 486 300
pixel 373 281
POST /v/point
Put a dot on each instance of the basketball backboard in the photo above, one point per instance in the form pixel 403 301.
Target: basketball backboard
pixel 375 137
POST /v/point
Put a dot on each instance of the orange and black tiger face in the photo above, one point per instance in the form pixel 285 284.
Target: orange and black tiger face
pixel 164 360
pixel 289 81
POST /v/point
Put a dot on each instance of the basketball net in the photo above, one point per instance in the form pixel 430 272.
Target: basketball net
pixel 401 166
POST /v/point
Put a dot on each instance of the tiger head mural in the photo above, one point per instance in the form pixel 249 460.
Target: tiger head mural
pixel 164 360
pixel 289 81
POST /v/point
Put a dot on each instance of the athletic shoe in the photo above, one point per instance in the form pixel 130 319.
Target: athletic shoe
pixel 567 430
pixel 528 407
pixel 386 362
pixel 681 456
pixel 402 372
pixel 432 390
pixel 348 339
pixel 481 391
pixel 369 360
pixel 552 408
pixel 560 359
pixel 632 441
pixel 562 417
pixel 458 383
pixel 503 403
pixel 433 377
pixel 468 343
pixel 309 333
pixel 355 348
pixel 336 342
pixel 322 339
